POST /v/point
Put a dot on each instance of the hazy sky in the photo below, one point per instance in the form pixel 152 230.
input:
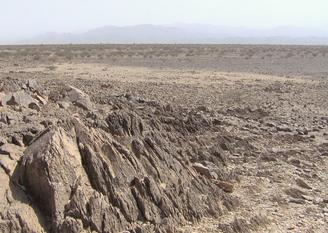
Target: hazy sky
pixel 30 17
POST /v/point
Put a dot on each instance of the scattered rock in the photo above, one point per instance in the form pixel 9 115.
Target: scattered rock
pixel 200 168
pixel 79 98
pixel 34 106
pixel 5 98
pixel 297 200
pixel 317 200
pixel 7 164
pixel 2 100
pixel 225 186
pixel 17 140
pixel 295 162
pixel 63 105
pixel 308 198
pixel 302 184
pixel 3 118
pixel 13 151
pixel 47 123
pixel 27 138
pixel 284 129
pixel 41 99
pixel 2 140
pixel 33 85
pixel 295 193
pixel 20 98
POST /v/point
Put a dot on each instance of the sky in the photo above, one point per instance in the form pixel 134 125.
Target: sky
pixel 24 18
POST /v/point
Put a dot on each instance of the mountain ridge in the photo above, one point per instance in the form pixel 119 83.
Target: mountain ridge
pixel 185 33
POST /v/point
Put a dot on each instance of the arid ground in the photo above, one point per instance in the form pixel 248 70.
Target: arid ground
pixel 166 138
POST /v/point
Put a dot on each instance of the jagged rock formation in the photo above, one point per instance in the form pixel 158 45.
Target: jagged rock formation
pixel 138 167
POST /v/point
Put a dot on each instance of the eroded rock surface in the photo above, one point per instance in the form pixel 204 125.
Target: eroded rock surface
pixel 134 167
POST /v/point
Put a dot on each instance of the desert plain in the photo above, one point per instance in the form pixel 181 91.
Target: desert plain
pixel 163 138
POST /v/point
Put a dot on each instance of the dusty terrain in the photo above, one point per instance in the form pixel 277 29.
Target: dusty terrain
pixel 163 138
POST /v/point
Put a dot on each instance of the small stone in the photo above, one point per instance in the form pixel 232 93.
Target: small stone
pixel 296 200
pixel 225 186
pixel 200 168
pixel 15 139
pixel 294 192
pixel 214 175
pixel 46 123
pixel 33 85
pixel 63 105
pixel 3 118
pixel 317 200
pixel 34 106
pixel 284 129
pixel 2 95
pixel 295 162
pixel 7 164
pixel 302 184
pixel 202 108
pixel 41 99
pixel 27 119
pixel 270 124
pixel 168 108
pixel 2 141
pixel 27 138
pixel 308 198
pixel 137 147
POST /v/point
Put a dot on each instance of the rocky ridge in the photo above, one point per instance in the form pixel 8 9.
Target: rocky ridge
pixel 71 165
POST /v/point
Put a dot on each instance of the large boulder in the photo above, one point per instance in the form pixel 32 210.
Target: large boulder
pixel 79 98
pixel 23 99
pixel 20 98
pixel 56 179
pixel 33 85
pixel 52 164
pixel 4 98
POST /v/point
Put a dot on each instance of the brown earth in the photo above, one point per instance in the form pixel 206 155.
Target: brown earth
pixel 159 138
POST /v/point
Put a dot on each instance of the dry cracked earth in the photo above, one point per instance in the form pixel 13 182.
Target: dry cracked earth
pixel 163 138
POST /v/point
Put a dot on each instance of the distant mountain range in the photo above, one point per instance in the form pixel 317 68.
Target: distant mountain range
pixel 185 33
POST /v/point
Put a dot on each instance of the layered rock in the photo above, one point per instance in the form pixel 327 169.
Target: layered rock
pixel 137 167
pixel 89 178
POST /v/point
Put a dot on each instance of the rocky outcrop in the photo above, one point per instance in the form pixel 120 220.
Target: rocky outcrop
pixel 137 167
pixel 86 178
pixel 18 213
